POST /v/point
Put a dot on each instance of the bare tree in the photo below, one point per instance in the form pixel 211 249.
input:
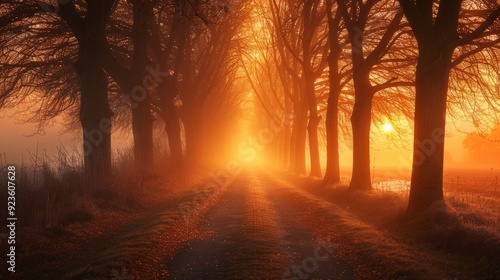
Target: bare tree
pixel 338 77
pixel 87 26
pixel 383 20
pixel 302 43
pixel 436 28
pixel 207 79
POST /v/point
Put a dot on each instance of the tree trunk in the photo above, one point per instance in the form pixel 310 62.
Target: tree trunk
pixel 173 129
pixel 300 140
pixel 297 139
pixel 332 174
pixel 180 30
pixel 142 127
pixel 284 146
pixel 142 119
pixel 95 113
pixel 170 116
pixel 361 122
pixel 193 139
pixel 309 87
pixel 286 143
pixel 96 124
pixel 432 78
pixel 293 145
pixel 312 127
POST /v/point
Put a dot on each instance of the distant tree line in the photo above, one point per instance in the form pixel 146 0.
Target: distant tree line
pixel 483 149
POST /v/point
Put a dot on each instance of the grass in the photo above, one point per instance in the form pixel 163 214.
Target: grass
pixel 465 227
pixel 373 252
pixel 51 192
pixel 59 215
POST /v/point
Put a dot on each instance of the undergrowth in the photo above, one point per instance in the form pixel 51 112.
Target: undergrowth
pixel 51 192
pixel 467 224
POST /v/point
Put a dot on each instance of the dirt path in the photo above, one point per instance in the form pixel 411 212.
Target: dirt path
pixel 255 236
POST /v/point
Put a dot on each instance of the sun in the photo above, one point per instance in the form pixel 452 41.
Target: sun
pixel 387 128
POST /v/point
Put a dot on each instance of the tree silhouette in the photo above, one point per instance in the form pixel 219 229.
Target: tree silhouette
pixel 357 19
pixel 436 28
pixel 302 42
pixel 208 79
pixel 337 78
pixel 89 31
pixel 483 149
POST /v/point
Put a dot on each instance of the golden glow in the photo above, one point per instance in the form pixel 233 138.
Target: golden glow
pixel 387 128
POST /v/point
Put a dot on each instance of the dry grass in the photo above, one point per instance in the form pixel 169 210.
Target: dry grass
pixel 373 252
pixel 465 229
pixel 51 192
pixel 61 217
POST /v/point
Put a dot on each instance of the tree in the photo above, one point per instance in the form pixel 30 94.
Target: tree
pixel 89 32
pixel 169 32
pixel 357 19
pixel 270 86
pixel 337 78
pixel 483 149
pixel 142 119
pixel 302 43
pixel 208 78
pixel 95 113
pixel 313 40
pixel 436 28
pixel 128 64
